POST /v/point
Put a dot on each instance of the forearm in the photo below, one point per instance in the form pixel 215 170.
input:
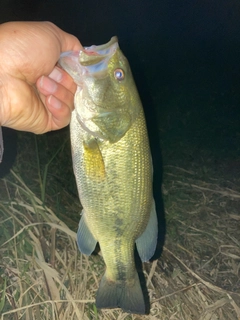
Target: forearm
pixel 1 111
pixel 1 100
pixel 5 53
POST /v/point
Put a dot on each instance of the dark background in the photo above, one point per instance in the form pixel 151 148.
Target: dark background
pixel 184 56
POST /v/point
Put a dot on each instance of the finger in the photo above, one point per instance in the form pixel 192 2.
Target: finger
pixel 60 113
pixel 62 77
pixel 47 87
pixel 58 101
pixel 57 75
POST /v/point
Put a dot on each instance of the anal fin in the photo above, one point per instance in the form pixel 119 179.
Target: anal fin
pixel 147 242
pixel 85 239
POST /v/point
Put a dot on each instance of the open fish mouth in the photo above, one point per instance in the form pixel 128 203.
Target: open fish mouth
pixel 95 54
pixel 94 59
pixel 91 60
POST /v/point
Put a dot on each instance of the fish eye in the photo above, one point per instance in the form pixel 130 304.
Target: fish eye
pixel 119 74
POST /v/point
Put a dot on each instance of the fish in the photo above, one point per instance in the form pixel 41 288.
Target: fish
pixel 113 170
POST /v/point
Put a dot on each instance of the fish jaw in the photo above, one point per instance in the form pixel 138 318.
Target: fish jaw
pixel 91 61
pixel 99 73
pixel 69 61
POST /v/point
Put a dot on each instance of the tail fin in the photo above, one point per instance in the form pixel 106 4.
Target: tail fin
pixel 129 297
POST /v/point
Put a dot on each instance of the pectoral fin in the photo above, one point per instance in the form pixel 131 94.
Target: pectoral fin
pixel 85 239
pixel 146 243
pixel 93 160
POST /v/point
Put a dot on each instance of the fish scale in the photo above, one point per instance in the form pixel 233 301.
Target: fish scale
pixel 117 191
pixel 113 170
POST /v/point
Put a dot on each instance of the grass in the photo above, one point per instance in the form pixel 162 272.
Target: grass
pixel 39 276
pixel 42 274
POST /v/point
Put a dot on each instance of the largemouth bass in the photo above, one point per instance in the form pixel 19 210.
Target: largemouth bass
pixel 113 170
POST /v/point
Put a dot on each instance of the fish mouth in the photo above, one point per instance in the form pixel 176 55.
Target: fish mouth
pixel 91 61
pixel 94 59
pixel 94 54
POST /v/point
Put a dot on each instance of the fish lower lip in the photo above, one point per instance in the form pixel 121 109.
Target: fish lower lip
pixel 98 55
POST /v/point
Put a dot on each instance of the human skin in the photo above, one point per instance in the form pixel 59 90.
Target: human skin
pixel 35 94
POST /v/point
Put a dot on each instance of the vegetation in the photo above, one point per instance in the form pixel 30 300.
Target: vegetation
pixel 42 274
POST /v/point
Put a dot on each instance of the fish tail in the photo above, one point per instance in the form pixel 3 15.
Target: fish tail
pixel 129 297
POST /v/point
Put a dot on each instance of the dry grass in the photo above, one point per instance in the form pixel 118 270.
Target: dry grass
pixel 197 277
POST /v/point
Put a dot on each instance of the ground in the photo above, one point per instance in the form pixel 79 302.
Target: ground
pixel 197 275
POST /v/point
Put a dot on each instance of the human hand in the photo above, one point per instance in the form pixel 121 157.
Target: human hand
pixel 35 95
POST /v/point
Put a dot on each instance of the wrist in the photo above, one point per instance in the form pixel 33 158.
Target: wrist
pixel 3 100
pixel 1 112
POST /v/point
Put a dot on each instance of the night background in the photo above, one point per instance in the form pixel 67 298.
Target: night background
pixel 185 58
